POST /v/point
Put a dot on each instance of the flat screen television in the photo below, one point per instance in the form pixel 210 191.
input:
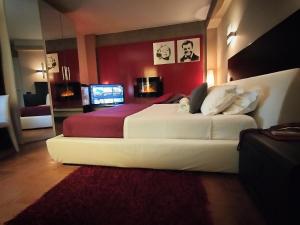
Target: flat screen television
pixel 106 94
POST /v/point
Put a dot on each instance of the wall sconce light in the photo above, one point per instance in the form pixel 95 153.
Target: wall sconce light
pixel 150 72
pixel 210 78
pixel 230 37
pixel 43 71
pixel 231 34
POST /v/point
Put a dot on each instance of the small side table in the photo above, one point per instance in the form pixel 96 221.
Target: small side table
pixel 270 170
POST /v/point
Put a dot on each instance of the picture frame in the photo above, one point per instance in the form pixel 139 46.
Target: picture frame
pixel 163 52
pixel 188 50
pixel 52 63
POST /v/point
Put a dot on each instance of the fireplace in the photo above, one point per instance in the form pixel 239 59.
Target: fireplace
pixel 148 87
pixel 67 94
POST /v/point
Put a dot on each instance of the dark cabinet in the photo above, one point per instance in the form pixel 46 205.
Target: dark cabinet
pixel 270 170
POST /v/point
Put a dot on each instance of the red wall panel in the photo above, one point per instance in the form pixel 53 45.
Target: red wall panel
pixel 123 63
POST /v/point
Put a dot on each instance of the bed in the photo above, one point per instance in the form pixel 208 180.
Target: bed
pixel 211 147
pixel 33 117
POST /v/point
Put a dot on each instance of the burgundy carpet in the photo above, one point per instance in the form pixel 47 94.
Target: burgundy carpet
pixel 117 196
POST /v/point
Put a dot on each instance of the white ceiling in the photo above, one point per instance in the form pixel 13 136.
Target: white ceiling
pixel 111 16
pixel 23 19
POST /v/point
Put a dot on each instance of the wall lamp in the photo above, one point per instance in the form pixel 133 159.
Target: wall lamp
pixel 230 37
pixel 210 78
pixel 43 71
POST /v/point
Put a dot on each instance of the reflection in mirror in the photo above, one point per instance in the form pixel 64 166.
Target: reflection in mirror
pixel 29 68
pixel 62 63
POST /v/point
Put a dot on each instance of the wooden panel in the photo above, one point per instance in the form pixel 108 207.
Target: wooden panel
pixel 150 34
pixel 276 50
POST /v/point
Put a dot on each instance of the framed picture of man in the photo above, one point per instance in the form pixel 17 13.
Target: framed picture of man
pixel 52 63
pixel 188 50
pixel 164 52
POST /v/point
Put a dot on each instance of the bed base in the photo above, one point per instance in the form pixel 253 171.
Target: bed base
pixel 174 154
pixel 33 122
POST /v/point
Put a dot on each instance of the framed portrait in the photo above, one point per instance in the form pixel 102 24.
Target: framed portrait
pixel 164 52
pixel 188 50
pixel 52 63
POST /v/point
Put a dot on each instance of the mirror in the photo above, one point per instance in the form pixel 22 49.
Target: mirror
pixel 62 63
pixel 29 66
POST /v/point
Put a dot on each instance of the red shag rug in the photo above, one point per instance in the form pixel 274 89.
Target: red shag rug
pixel 116 196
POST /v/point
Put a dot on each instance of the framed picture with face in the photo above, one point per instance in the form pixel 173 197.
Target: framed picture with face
pixel 164 52
pixel 188 50
pixel 52 63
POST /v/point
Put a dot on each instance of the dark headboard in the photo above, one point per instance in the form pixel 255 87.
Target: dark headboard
pixel 278 49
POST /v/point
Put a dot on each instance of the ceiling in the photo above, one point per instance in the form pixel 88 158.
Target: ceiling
pixel 23 19
pixel 111 16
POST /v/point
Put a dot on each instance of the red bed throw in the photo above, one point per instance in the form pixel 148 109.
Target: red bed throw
pixel 40 110
pixel 104 123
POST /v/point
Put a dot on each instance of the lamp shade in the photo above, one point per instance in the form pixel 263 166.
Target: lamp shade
pixel 210 78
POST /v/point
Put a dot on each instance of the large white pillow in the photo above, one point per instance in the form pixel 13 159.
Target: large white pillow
pixel 218 99
pixel 244 103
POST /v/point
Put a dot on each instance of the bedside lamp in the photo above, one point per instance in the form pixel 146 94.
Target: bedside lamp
pixel 210 78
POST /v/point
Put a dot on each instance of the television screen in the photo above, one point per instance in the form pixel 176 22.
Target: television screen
pixel 106 94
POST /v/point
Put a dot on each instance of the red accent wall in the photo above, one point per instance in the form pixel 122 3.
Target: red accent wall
pixel 123 63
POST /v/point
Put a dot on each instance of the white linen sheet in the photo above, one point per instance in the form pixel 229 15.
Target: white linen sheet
pixel 166 121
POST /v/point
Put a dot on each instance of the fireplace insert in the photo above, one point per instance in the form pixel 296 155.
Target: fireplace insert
pixel 148 87
pixel 67 94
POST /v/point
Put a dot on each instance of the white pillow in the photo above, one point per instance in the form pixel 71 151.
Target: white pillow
pixel 218 99
pixel 244 103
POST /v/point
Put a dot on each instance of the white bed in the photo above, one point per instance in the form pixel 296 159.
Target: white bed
pixel 164 121
pixel 154 140
pixel 33 122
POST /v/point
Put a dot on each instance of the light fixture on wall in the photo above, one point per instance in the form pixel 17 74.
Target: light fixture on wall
pixel 43 71
pixel 150 71
pixel 230 37
pixel 210 78
pixel 231 34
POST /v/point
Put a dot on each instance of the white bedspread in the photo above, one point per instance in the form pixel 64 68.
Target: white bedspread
pixel 165 121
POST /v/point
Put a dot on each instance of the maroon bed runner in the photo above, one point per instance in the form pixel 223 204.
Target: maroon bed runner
pixel 104 123
pixel 40 110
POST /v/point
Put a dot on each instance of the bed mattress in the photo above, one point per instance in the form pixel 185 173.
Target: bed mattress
pixel 33 122
pixel 165 121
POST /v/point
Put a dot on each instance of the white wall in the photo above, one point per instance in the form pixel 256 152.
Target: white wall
pixel 251 19
pixel 211 36
pixel 29 62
